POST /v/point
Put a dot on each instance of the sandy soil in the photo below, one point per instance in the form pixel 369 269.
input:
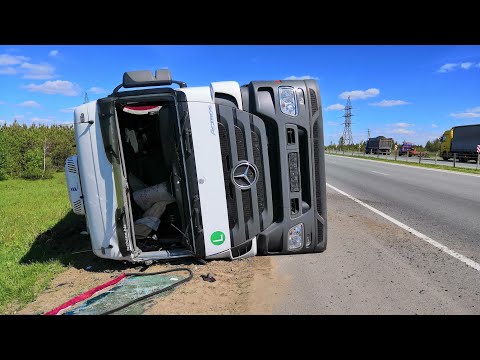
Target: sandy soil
pixel 241 287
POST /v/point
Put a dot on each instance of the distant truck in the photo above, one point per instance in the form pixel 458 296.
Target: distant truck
pixel 410 149
pixel 461 141
pixel 379 145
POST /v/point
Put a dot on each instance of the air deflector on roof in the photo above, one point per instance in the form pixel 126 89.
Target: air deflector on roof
pixel 145 78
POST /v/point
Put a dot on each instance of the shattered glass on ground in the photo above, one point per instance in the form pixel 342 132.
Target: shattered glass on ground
pixel 129 289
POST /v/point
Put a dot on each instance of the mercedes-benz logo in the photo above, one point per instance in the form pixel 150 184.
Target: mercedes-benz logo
pixel 244 175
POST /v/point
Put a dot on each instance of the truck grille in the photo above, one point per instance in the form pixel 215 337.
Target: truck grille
pixel 316 153
pixel 257 156
pixel 313 101
pixel 242 138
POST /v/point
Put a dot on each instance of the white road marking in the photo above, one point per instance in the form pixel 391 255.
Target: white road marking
pixel 424 237
pixel 409 166
pixel 378 172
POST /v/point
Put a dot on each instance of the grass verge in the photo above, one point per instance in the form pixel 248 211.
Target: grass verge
pixel 412 163
pixel 29 259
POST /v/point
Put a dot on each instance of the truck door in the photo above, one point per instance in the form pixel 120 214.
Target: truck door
pixel 114 152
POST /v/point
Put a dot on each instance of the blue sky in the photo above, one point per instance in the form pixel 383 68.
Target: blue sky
pixel 410 93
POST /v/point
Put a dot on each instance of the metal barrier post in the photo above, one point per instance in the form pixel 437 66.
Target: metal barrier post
pixel 378 154
pixel 436 158
pixel 408 154
pixel 396 153
pixel 454 159
pixel 478 160
pixel 419 158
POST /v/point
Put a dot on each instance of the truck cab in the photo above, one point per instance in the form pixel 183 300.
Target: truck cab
pixel 406 148
pixel 446 143
pixel 218 171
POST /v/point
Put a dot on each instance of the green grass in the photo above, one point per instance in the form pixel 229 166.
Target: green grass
pixel 40 238
pixel 28 209
pixel 413 163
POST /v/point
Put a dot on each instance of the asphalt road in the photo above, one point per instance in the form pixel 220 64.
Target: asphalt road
pixel 470 165
pixel 372 266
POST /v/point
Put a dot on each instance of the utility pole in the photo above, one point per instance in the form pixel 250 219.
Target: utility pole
pixel 347 130
pixel 368 133
pixel 85 98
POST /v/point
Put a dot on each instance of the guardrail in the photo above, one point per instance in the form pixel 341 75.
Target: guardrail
pixel 423 157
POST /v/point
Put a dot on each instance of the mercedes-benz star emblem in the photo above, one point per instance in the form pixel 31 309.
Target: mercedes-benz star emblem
pixel 244 175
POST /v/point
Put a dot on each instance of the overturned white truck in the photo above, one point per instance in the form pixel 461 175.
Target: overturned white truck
pixel 221 171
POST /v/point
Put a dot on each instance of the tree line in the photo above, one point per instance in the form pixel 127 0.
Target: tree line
pixel 35 151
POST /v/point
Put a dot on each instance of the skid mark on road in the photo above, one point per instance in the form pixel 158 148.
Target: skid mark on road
pixel 418 234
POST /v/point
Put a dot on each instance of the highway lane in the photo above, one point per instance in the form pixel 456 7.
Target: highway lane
pixel 371 265
pixel 443 205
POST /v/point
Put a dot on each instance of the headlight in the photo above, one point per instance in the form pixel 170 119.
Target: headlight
pixel 295 237
pixel 288 100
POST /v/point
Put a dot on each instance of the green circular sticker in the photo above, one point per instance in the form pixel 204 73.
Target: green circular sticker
pixel 217 238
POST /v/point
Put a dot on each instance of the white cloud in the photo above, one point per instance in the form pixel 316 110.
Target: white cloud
pixel 62 87
pixel 8 70
pixel 447 67
pixel 3 121
pixel 434 125
pixel 454 66
pixel 304 77
pixel 402 124
pixel 96 90
pixel 53 53
pixel 335 107
pixel 360 94
pixel 6 59
pixel 466 65
pixel 332 123
pixel 29 103
pixel 37 71
pixel 40 120
pixel 387 103
pixel 465 115
pixel 18 117
pixel 403 131
pixel 68 110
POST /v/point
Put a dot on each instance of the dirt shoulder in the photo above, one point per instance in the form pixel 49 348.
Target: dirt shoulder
pixel 241 287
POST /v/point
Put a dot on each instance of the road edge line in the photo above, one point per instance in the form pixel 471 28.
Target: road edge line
pixel 418 234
